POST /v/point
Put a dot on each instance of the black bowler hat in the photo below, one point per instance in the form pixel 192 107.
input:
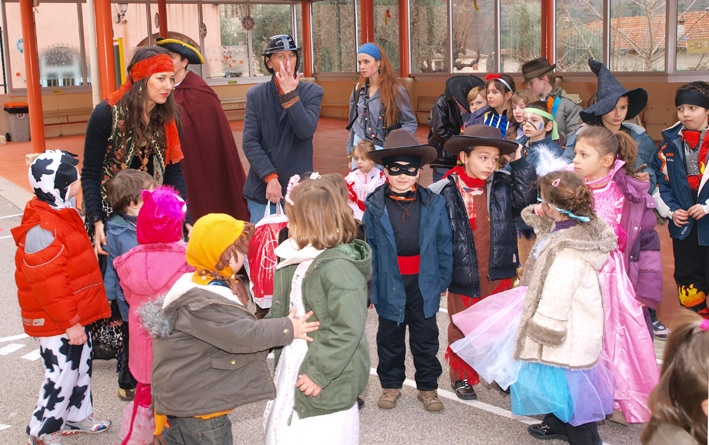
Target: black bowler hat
pixel 402 143
pixel 281 42
pixel 186 50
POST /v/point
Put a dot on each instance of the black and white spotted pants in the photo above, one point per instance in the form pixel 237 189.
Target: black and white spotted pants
pixel 65 394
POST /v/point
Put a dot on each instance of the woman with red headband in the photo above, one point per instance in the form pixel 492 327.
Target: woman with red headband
pixel 135 127
pixel 500 88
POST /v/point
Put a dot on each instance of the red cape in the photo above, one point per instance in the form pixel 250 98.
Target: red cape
pixel 212 167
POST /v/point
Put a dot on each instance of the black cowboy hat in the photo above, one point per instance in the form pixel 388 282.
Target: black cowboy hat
pixel 458 87
pixel 186 50
pixel 402 143
pixel 479 136
pixel 609 91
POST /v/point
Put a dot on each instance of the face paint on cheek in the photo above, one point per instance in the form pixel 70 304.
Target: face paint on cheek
pixel 541 124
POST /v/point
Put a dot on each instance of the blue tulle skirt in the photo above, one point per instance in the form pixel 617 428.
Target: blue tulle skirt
pixel 490 327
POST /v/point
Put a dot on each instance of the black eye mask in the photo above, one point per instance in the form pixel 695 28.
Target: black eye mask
pixel 401 168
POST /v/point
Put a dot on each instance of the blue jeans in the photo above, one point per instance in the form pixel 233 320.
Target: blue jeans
pixel 192 430
pixel 257 210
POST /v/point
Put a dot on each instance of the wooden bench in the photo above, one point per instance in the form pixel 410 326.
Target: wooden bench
pixel 233 104
pixel 67 116
pixel 345 109
pixel 424 105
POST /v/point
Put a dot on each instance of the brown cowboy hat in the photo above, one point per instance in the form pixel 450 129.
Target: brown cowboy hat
pixel 535 68
pixel 402 143
pixel 479 136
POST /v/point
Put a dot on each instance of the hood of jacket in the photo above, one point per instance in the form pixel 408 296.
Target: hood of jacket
pixel 357 252
pixel 32 216
pixel 149 268
pixel 156 315
pixel 672 133
pixel 591 241
pixel 118 224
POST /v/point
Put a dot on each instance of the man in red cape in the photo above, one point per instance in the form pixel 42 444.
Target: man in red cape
pixel 212 167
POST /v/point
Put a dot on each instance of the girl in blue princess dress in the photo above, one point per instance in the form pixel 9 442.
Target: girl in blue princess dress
pixel 543 339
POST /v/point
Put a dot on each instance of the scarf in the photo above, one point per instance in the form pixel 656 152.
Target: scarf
pixel 468 188
pixel 692 139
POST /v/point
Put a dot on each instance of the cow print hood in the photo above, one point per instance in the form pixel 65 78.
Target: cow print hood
pixel 51 174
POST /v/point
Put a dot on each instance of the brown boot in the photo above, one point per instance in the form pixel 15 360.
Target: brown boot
pixel 389 398
pixel 430 400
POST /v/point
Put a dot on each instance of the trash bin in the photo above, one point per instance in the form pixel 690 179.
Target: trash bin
pixel 18 121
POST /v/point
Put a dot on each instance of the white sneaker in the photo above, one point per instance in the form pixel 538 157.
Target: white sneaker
pixel 54 438
pixel 90 425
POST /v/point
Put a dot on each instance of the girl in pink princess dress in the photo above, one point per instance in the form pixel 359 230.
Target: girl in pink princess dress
pixel 363 180
pixel 632 277
pixel 148 271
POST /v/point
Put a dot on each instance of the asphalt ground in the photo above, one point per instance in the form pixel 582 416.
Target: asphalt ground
pixel 486 421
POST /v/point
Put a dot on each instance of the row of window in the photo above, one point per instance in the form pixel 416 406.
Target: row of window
pixel 447 36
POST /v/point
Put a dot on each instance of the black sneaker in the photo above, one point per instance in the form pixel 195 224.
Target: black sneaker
pixel 464 390
pixel 544 432
pixel 360 403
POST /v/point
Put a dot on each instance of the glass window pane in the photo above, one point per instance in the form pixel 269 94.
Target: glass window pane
pixel 473 37
pixel 692 36
pixel 637 35
pixel 333 36
pixel 269 20
pixel 429 36
pixel 226 43
pixel 386 29
pixel 521 37
pixel 57 43
pixel 579 33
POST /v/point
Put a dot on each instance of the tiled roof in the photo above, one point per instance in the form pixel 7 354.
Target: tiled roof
pixel 636 30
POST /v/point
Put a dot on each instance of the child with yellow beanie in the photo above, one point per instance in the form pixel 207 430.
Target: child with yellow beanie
pixel 209 350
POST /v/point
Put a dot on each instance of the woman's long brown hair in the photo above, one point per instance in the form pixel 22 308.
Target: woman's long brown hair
pixel 388 88
pixel 135 102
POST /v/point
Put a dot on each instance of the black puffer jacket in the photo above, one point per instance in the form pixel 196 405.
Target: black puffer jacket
pixel 444 122
pixel 505 191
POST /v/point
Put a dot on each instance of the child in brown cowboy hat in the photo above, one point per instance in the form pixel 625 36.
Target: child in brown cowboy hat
pixel 480 201
pixel 408 230
pixel 540 78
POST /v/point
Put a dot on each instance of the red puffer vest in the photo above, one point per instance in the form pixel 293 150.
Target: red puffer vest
pixel 61 285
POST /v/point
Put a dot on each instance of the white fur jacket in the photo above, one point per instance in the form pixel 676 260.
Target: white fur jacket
pixel 562 320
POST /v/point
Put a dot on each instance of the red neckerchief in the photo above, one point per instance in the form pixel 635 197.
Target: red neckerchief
pixel 474 184
pixel 692 139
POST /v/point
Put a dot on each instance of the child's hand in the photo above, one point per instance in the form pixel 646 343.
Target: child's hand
pixel 159 440
pixel 307 386
pixel 301 327
pixel 518 152
pixel 643 176
pixel 76 334
pixel 539 210
pixel 679 217
pixel 696 212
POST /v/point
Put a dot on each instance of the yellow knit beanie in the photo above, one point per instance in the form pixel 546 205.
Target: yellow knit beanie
pixel 211 235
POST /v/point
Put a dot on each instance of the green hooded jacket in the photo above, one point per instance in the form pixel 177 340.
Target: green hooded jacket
pixel 335 289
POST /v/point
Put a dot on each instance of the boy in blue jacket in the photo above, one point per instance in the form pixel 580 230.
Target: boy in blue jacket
pixel 124 196
pixel 412 256
pixel 679 166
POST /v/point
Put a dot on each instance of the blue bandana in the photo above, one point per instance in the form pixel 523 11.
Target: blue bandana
pixel 371 50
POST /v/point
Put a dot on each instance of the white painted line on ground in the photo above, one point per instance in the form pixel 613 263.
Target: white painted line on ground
pixel 5 237
pixel 443 310
pixel 11 216
pixel 9 349
pixel 34 355
pixel 13 338
pixel 4 427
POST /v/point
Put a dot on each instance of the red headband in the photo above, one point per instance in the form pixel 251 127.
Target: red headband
pixel 492 76
pixel 161 63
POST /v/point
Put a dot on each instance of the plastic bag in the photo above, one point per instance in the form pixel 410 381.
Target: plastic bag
pixel 262 259
pixel 138 419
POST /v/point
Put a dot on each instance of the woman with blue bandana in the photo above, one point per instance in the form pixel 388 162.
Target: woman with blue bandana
pixel 379 102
